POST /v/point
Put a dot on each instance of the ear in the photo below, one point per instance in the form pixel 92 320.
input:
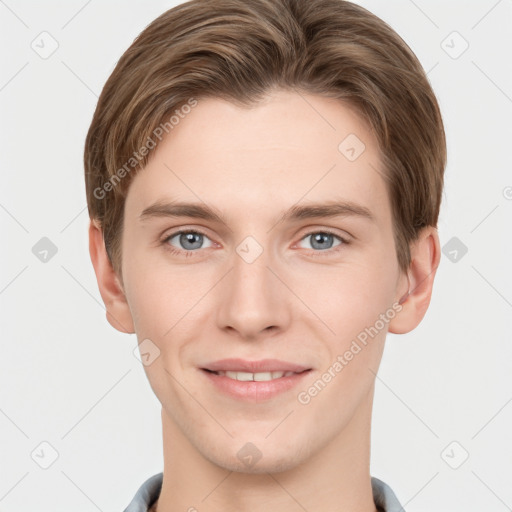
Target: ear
pixel 111 289
pixel 425 257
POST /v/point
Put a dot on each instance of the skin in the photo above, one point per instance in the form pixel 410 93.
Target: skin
pixel 295 302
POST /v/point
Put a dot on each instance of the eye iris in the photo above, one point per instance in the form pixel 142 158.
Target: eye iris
pixel 196 239
pixel 321 238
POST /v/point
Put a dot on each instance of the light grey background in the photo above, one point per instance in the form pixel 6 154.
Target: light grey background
pixel 69 379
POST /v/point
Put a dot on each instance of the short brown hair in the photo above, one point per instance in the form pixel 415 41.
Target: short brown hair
pixel 239 50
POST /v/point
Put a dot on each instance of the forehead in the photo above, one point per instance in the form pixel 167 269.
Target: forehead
pixel 291 147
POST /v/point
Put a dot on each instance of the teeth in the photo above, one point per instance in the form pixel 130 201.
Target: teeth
pixel 258 377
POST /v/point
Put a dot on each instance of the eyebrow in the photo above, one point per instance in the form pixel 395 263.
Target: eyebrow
pixel 297 212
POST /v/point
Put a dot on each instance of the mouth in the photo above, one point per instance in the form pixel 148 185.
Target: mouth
pixel 254 377
pixel 254 386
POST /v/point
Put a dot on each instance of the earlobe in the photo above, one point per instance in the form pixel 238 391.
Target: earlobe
pixel 425 257
pixel 117 310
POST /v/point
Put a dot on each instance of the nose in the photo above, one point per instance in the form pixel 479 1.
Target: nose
pixel 253 301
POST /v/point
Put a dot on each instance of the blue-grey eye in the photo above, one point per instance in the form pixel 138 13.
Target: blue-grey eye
pixel 189 240
pixel 322 240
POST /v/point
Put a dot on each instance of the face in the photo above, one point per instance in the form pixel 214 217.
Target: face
pixel 254 235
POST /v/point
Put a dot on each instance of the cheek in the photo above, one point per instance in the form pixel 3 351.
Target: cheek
pixel 357 306
pixel 354 297
pixel 359 311
pixel 164 300
pixel 162 306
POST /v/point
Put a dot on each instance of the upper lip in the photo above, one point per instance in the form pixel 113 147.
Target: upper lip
pixel 263 365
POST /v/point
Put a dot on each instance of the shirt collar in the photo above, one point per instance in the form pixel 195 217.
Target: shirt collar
pixel 383 496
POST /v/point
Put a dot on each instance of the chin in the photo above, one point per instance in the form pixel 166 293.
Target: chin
pixel 263 466
pixel 259 458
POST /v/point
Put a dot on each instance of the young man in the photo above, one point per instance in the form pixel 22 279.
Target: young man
pixel 264 179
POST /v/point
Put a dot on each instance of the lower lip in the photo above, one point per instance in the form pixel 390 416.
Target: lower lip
pixel 255 391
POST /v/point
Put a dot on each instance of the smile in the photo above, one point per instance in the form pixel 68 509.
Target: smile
pixel 258 377
pixel 254 387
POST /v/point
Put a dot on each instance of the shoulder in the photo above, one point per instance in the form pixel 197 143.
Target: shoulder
pixel 146 496
pixel 384 497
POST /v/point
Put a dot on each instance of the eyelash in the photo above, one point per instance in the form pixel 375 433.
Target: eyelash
pixel 188 254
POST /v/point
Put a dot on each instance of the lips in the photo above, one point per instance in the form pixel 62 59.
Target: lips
pixel 254 381
pixel 261 366
pixel 256 377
